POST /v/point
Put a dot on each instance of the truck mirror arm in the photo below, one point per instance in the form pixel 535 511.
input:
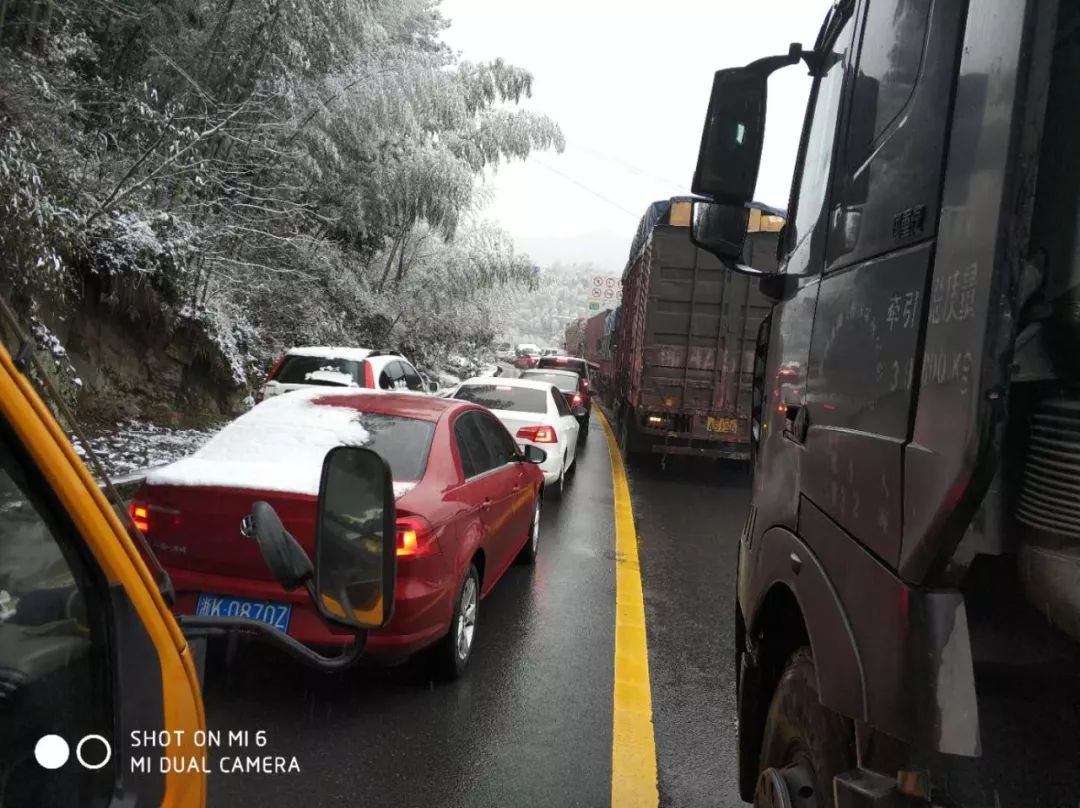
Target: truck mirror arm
pixel 194 627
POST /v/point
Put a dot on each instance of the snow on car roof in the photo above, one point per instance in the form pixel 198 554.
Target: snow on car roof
pixel 330 352
pixel 279 445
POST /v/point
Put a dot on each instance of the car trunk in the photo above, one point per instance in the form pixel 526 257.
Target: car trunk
pixel 198 528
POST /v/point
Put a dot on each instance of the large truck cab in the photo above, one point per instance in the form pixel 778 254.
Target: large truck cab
pixel 915 516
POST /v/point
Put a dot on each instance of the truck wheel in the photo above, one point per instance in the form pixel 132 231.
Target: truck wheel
pixel 805 744
pixel 624 438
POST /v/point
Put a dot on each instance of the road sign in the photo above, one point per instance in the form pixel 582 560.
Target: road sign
pixel 604 292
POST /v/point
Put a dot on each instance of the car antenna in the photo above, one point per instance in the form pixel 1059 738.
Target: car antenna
pixel 25 359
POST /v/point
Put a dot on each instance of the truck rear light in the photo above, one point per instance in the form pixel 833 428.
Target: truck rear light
pixel 415 537
pixel 538 434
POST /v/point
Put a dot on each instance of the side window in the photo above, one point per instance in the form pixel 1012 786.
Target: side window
pixel 391 377
pixel 560 402
pixel 887 186
pixel 54 656
pixel 476 457
pixel 501 446
pixel 412 378
pixel 817 158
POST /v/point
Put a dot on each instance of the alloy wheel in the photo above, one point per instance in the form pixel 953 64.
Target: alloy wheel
pixel 466 624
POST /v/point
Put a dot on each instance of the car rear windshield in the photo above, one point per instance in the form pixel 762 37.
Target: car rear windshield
pixel 562 363
pixel 504 397
pixel 566 382
pixel 404 443
pixel 296 369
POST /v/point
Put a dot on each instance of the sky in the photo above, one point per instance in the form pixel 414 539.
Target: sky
pixel 628 82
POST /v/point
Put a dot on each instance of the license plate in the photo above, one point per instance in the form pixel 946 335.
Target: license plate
pixel 725 425
pixel 275 615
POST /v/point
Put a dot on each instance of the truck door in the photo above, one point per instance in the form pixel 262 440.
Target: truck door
pixel 876 246
pixel 803 249
pixel 88 653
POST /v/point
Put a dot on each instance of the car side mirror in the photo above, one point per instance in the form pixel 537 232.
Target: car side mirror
pixel 533 454
pixel 355 539
pixel 579 411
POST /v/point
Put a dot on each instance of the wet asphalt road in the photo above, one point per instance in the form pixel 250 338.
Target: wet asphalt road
pixel 530 724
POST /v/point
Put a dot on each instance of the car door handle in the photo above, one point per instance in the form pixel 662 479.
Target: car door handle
pixel 486 504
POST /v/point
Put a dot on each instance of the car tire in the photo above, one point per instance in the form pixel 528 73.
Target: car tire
pixel 555 490
pixel 804 744
pixel 583 433
pixel 528 553
pixel 449 661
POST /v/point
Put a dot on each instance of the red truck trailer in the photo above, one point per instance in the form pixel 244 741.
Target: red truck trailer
pixel 684 339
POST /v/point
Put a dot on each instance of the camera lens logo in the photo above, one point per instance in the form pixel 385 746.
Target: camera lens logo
pixel 92 752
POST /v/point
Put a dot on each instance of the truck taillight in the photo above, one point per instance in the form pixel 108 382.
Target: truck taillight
pixel 538 434
pixel 415 537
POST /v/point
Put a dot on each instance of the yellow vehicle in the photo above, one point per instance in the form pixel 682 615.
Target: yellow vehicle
pixel 99 695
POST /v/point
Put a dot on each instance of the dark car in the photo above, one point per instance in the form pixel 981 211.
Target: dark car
pixel 574 388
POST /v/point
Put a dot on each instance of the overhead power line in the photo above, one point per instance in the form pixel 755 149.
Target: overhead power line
pixel 586 188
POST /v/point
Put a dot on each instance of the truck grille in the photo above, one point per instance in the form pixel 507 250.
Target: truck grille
pixel 1050 494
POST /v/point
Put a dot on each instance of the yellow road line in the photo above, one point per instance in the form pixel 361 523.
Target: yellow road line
pixel 633 747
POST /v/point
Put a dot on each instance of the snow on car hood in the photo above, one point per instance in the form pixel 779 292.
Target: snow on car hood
pixel 277 446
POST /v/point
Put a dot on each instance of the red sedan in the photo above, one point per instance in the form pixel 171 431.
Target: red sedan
pixel 468 506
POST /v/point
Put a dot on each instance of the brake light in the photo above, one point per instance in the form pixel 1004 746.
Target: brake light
pixel 415 537
pixel 577 399
pixel 147 517
pixel 538 434
pixel 140 516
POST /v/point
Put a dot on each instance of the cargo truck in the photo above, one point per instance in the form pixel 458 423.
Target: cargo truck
pixel 684 340
pixel 907 625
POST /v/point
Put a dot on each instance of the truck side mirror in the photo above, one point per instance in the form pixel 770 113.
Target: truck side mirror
pixel 720 228
pixel 355 539
pixel 734 130
pixel 732 137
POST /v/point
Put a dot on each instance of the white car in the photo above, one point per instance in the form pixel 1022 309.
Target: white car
pixel 322 366
pixel 534 413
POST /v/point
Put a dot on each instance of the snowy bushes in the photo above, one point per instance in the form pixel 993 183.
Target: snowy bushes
pixel 261 172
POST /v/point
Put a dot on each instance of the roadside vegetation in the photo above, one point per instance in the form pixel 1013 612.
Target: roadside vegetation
pixel 189 187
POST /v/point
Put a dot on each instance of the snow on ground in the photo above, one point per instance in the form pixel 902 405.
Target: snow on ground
pixel 133 446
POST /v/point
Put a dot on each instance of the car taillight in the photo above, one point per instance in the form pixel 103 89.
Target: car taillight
pixel 140 516
pixel 538 434
pixel 147 517
pixel 415 537
pixel 577 399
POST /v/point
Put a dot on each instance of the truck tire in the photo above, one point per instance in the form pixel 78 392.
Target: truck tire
pixel 624 438
pixel 804 744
